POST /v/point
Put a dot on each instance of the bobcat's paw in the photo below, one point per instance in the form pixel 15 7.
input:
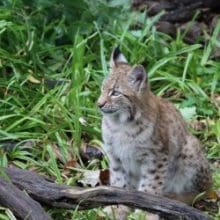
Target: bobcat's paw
pixel 115 212
pixel 151 216
pixel 139 214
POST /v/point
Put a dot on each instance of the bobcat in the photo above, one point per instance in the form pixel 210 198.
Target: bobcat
pixel 146 139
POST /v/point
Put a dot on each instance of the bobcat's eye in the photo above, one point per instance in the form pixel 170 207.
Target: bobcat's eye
pixel 115 93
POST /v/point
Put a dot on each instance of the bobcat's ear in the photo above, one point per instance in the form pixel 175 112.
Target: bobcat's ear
pixel 137 78
pixel 117 57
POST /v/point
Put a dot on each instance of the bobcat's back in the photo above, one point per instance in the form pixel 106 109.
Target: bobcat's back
pixel 145 137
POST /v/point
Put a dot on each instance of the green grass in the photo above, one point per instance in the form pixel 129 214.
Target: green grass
pixel 71 41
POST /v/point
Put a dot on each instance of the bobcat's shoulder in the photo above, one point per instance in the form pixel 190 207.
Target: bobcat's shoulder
pixel 145 137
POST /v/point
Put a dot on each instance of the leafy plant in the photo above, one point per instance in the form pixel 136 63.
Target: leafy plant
pixel 53 58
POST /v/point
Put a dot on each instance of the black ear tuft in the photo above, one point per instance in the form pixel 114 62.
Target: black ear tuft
pixel 116 53
pixel 117 57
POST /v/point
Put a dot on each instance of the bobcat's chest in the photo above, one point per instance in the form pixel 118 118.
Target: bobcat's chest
pixel 124 149
pixel 124 143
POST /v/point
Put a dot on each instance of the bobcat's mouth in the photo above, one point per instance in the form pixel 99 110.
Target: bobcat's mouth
pixel 109 110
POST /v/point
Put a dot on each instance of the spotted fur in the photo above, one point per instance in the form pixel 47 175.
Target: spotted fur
pixel 146 139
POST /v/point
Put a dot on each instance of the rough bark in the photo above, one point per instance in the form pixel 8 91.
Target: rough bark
pixel 23 206
pixel 62 196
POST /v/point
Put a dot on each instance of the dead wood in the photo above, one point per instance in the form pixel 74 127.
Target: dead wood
pixel 23 206
pixel 63 196
pixel 155 6
pixel 179 14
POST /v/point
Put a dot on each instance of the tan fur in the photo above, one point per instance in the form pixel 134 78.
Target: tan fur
pixel 146 139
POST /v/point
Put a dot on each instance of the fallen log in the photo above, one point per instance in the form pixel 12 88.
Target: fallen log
pixel 185 15
pixel 23 206
pixel 63 196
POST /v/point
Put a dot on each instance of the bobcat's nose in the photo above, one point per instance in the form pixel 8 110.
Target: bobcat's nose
pixel 101 104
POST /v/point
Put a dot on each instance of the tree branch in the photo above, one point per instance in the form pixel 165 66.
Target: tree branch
pixel 23 206
pixel 63 196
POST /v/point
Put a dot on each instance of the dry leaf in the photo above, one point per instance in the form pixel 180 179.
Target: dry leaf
pixel 67 170
pixel 95 178
pixel 104 177
pixel 70 164
pixel 213 195
pixel 90 178
pixel 33 79
pixel 83 121
pixel 199 125
pixel 57 152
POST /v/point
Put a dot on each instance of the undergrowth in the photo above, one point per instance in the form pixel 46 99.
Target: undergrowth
pixel 53 58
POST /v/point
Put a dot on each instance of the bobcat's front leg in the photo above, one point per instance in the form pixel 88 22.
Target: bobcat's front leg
pixel 152 181
pixel 118 178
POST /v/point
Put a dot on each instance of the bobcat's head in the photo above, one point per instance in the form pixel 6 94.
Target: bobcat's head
pixel 122 89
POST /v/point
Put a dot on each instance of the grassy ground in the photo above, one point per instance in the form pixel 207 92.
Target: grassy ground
pixel 53 58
